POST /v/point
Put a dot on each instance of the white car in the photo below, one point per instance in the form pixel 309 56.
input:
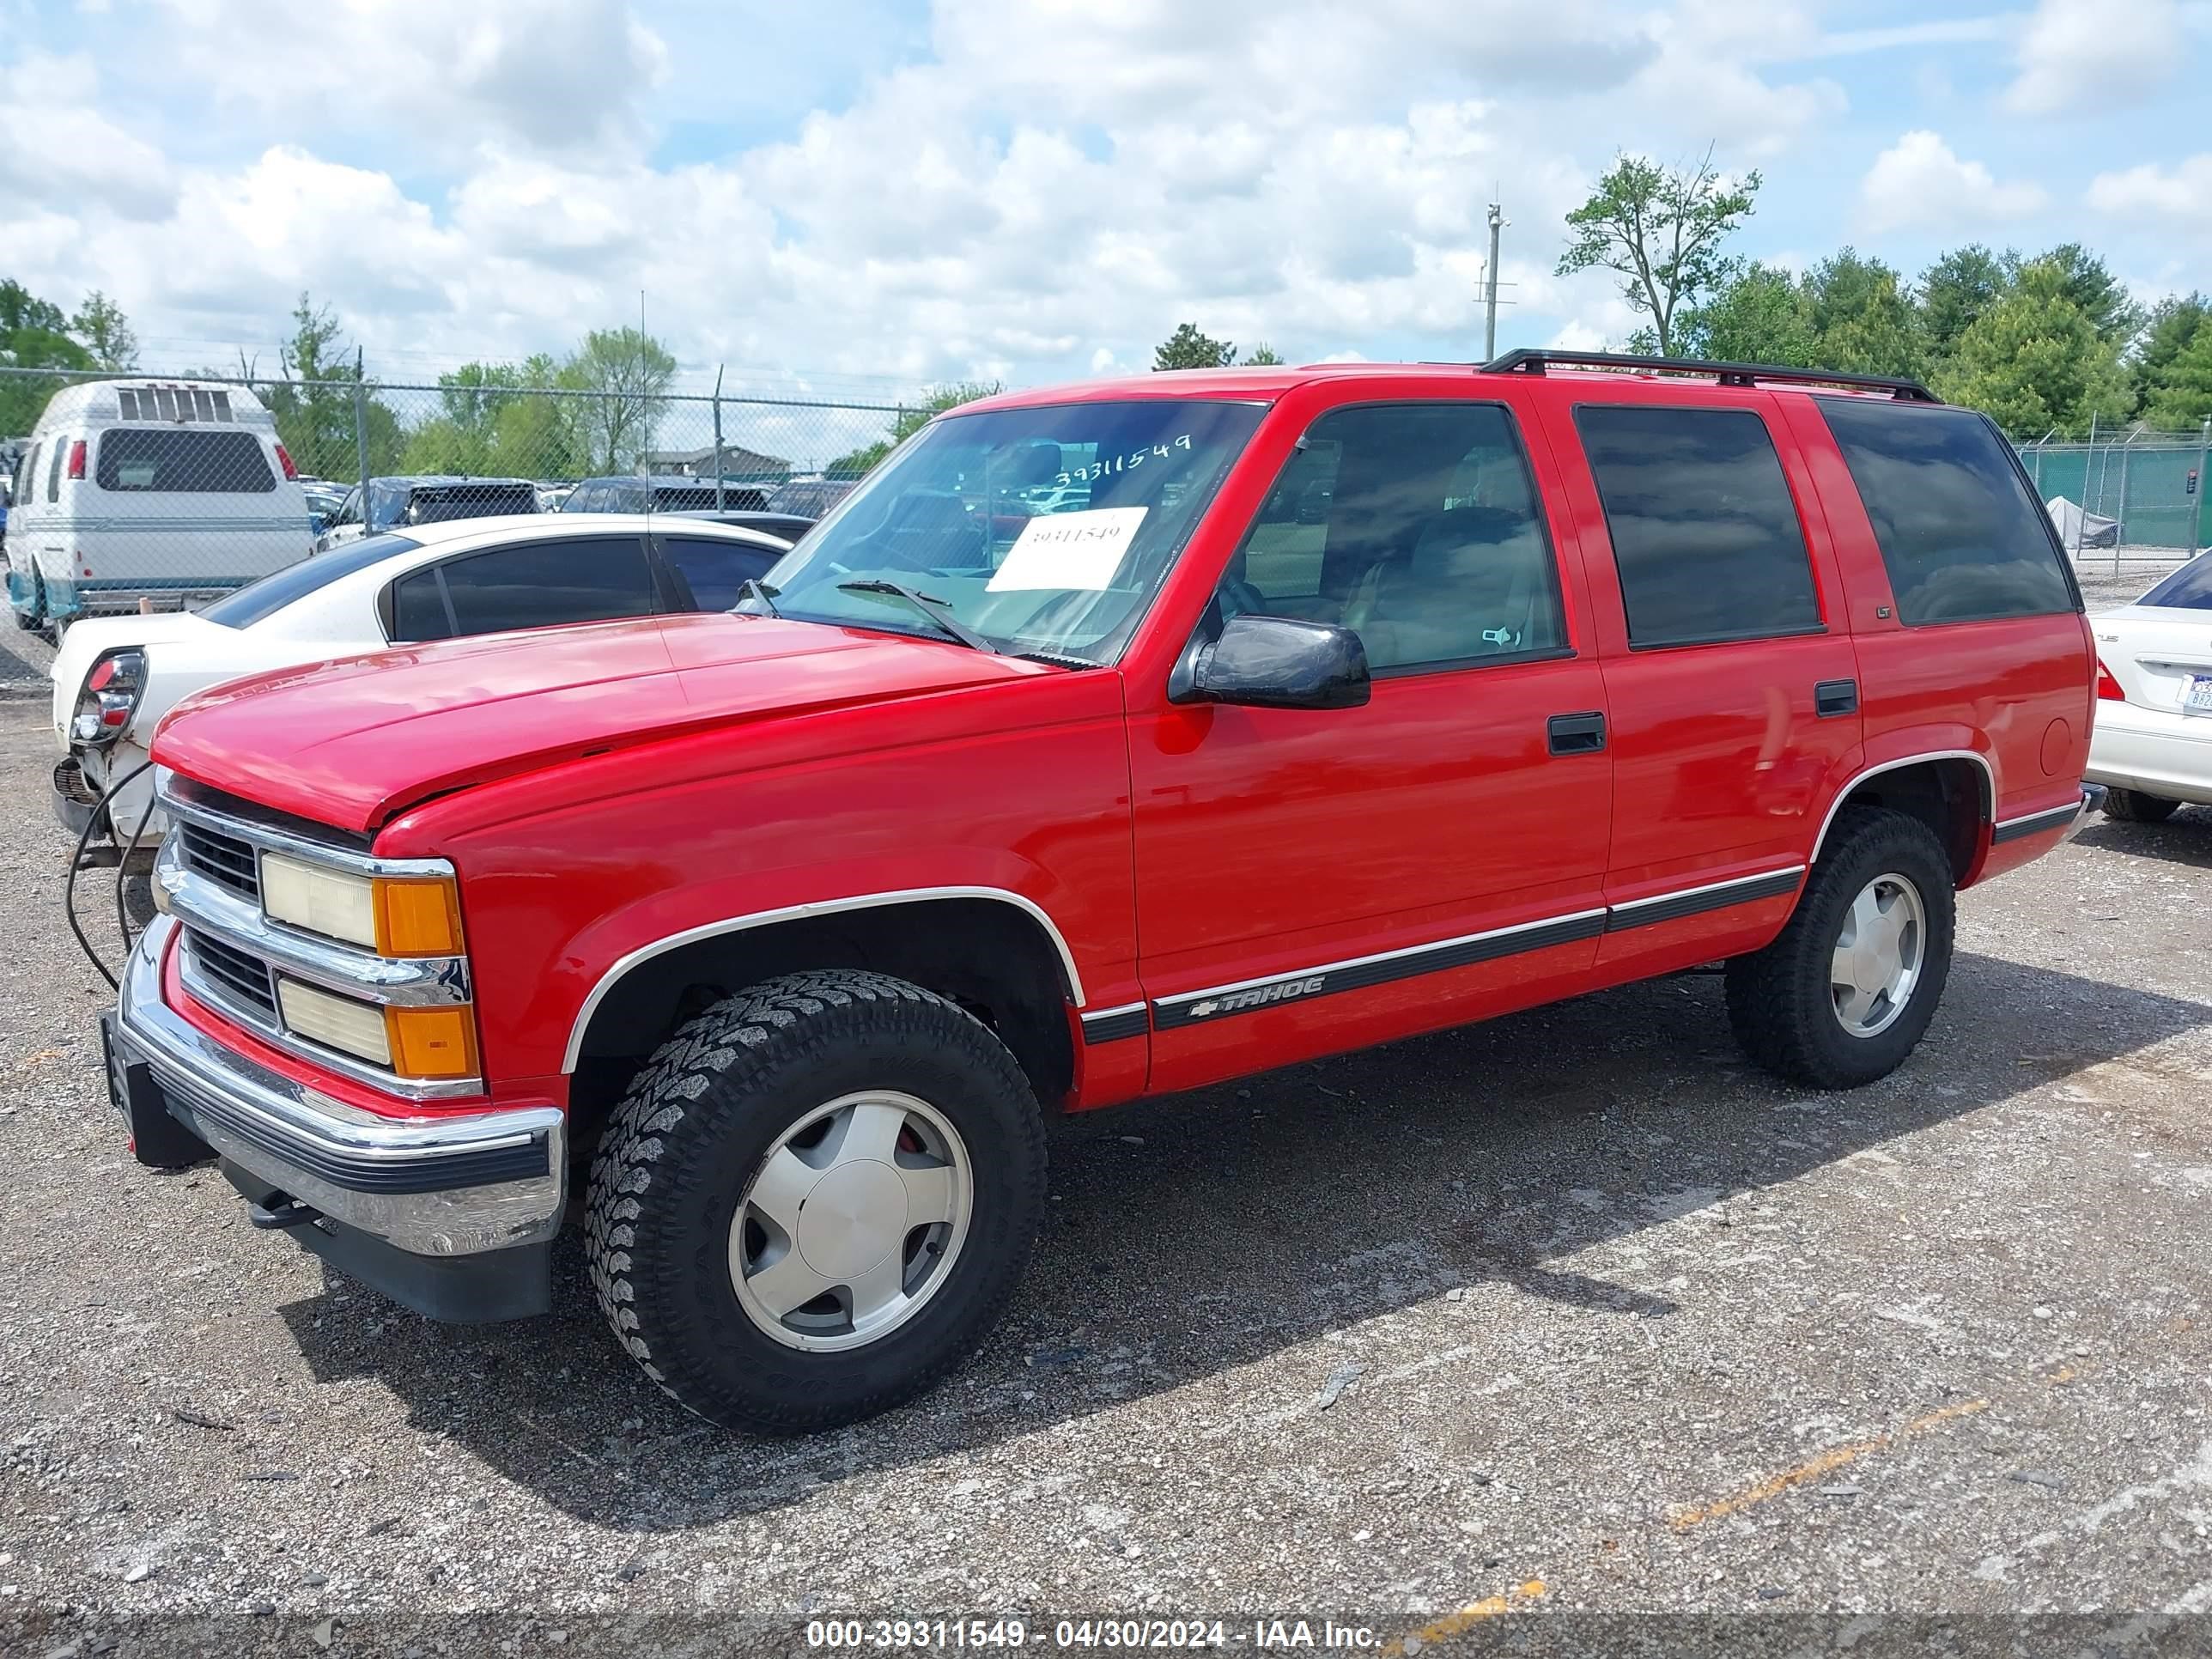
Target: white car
pixel 2152 746
pixel 115 678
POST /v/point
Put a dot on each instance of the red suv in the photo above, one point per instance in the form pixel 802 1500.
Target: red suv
pixel 1106 742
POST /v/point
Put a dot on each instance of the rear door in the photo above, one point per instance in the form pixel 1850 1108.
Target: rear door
pixel 1728 669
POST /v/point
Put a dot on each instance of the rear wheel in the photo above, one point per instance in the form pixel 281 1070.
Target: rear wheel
pixel 1847 990
pixel 2133 806
pixel 815 1200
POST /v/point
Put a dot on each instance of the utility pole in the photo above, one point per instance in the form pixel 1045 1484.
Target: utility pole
pixel 1497 223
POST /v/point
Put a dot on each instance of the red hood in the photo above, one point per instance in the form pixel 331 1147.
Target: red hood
pixel 351 743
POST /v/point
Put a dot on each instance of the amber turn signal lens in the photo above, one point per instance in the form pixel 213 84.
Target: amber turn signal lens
pixel 417 918
pixel 432 1043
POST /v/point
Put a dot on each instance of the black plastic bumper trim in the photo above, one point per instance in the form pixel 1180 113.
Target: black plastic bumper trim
pixel 190 1105
pixel 2035 823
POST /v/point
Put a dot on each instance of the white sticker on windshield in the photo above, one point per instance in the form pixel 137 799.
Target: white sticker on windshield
pixel 1080 550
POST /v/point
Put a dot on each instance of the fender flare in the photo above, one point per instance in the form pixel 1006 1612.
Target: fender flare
pixel 1989 785
pixel 618 969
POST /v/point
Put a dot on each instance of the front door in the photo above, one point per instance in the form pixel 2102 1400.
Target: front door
pixel 1315 881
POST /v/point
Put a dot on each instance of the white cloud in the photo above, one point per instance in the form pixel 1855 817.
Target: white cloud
pixel 63 155
pixel 2079 54
pixel 1919 181
pixel 2162 198
pixel 569 76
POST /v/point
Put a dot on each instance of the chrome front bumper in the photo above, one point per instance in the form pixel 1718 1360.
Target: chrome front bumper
pixel 432 1185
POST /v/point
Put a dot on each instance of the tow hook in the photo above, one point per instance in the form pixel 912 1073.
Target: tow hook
pixel 281 1211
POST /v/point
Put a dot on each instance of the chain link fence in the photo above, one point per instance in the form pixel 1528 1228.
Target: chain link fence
pixel 127 492
pixel 2126 502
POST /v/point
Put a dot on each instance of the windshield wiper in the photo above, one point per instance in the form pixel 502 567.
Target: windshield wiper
pixel 754 588
pixel 932 609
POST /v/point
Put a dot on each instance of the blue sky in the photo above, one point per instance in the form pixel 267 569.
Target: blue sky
pixel 886 193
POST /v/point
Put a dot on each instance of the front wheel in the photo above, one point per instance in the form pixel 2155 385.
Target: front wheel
pixel 1847 990
pixel 2133 806
pixel 814 1200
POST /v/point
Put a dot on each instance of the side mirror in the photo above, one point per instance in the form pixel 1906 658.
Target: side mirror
pixel 1276 662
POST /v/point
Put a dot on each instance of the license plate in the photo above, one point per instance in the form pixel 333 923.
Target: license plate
pixel 2197 694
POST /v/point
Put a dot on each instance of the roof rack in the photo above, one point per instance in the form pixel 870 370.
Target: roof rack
pixel 1535 360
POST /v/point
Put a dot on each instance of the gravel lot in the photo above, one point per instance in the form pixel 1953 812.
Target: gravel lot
pixel 1573 1312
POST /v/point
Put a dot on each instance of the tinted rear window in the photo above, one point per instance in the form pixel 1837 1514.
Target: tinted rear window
pixel 561 580
pixel 184 462
pixel 2189 588
pixel 258 599
pixel 1963 538
pixel 1704 534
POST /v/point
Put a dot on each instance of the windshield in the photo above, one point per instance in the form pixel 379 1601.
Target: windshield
pixel 250 603
pixel 1040 530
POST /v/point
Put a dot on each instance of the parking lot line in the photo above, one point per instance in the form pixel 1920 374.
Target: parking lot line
pixel 1813 1467
pixel 1437 1630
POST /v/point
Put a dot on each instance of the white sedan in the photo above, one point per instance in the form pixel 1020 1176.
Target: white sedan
pixel 2152 746
pixel 116 676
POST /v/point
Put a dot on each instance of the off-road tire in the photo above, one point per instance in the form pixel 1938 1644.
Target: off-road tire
pixel 2133 806
pixel 674 1159
pixel 1779 1000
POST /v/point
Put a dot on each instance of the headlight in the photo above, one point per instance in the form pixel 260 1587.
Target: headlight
pixel 391 916
pixel 109 697
pixel 428 1043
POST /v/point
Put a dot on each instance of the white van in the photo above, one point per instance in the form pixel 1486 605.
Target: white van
pixel 171 490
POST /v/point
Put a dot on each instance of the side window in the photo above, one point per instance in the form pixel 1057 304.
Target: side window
pixel 54 470
pixel 1415 524
pixel 26 477
pixel 1705 536
pixel 1962 538
pixel 563 579
pixel 419 608
pixel 715 570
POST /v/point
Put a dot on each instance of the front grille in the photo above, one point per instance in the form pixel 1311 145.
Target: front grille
pixel 221 858
pixel 243 977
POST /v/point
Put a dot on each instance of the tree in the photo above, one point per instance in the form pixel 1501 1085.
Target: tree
pixel 1263 352
pixel 1863 320
pixel 474 394
pixel 628 371
pixel 1760 316
pixel 1661 228
pixel 2182 397
pixel 1956 289
pixel 32 335
pixel 105 332
pixel 1189 348
pixel 314 403
pixel 2176 323
pixel 911 419
pixel 2099 296
pixel 2035 360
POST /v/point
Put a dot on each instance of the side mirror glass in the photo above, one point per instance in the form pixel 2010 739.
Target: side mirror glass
pixel 1278 662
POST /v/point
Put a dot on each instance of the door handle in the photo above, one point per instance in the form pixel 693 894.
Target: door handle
pixel 1834 697
pixel 1576 734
